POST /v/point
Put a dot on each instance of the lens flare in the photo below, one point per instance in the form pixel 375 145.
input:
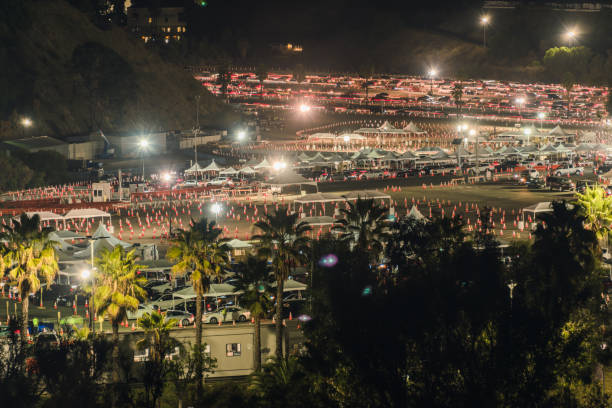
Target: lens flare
pixel 304 318
pixel 329 260
pixel 367 291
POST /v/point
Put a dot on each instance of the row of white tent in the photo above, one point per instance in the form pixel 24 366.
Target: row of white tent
pixel 358 135
pixel 80 213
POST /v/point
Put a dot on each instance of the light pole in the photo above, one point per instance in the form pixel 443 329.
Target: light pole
pixel 144 144
pixel 527 132
pixel 26 123
pixel 432 74
pixel 571 36
pixel 216 208
pixel 474 133
pixel 196 133
pixel 484 20
pixel 541 116
pixel 519 102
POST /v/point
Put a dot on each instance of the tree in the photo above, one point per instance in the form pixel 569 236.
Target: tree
pixel 299 73
pixel 159 343
pixel 29 258
pixel 253 279
pixel 224 78
pixel 282 239
pixel 119 289
pixel 597 208
pixel 198 251
pixel 364 225
pixel 457 94
pixel 262 74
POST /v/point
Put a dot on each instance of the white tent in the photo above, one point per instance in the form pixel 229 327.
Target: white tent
pixel 86 213
pixel 318 198
pixel 412 128
pixel 247 170
pixel 102 240
pixel 264 164
pixel 196 168
pixel 541 207
pixel 322 136
pixel 416 214
pixel 213 166
pixel 350 137
pixel 43 215
pixel 238 244
pixel 557 131
pixel 228 172
pixel 387 127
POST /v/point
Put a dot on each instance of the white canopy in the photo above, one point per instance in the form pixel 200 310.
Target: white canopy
pixel 43 215
pixel 264 164
pixel 196 168
pixel 247 170
pixel 229 171
pixel 86 213
pixel 350 136
pixel 102 240
pixel 213 166
pixel 412 128
pixel 541 207
pixel 557 131
pixel 321 136
pixel 238 244
pixel 416 214
pixel 317 221
pixel 318 198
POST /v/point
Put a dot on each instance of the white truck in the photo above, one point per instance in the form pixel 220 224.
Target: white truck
pixel 569 169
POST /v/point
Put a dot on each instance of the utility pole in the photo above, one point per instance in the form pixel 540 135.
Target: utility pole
pixel 92 311
pixel 196 133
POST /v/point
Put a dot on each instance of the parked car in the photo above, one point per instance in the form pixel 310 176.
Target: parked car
pixel 185 318
pixel 166 301
pixel 47 340
pixel 569 169
pixel 559 183
pixel 142 309
pixel 536 184
pixel 227 314
pixel 220 181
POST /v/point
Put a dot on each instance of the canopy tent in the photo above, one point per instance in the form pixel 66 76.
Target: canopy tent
pixel 238 244
pixel 102 239
pixel 416 214
pixel 317 221
pixel 441 155
pixel 304 157
pixel 196 168
pixel 584 147
pixel 252 161
pixel 289 178
pixel 548 149
pixel 42 215
pixel 213 166
pixel 367 130
pixel 247 170
pixel 429 150
pixel 318 198
pixel 264 164
pixel 462 151
pixel 588 137
pixel 225 289
pixel 541 207
pixel 557 131
pixel 412 128
pixel 407 155
pixel 387 127
pixel 86 213
pixel 529 149
pixel 64 239
pixel 228 172
pixel 366 194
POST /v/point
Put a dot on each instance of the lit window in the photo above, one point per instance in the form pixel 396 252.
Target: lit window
pixel 184 28
pixel 150 20
pixel 232 350
pixel 178 37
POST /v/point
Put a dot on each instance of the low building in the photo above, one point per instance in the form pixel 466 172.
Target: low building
pixel 72 151
pixel 162 24
pixel 188 140
pixel 130 146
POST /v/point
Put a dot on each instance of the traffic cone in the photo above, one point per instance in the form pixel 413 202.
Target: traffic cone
pixel 133 327
pixel 290 316
pixel 220 322
pixel 180 324
pixel 55 305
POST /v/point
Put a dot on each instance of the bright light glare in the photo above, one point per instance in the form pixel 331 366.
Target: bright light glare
pixel 520 101
pixel 472 132
pixel 347 139
pixel 27 122
pixel 433 72
pixel 144 143
pixel 216 208
pixel 304 108
pixel 541 115
pixel 527 131
pixel 166 176
pixel 484 20
pixel 241 135
pixel 279 165
pixel 571 34
pixel 85 273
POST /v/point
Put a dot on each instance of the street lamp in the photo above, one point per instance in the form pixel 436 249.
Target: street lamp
pixel 280 165
pixel 241 135
pixel 143 144
pixel 304 108
pixel 519 102
pixel 527 132
pixel 216 209
pixel 432 73
pixel 571 36
pixel 26 122
pixel 484 20
pixel 541 116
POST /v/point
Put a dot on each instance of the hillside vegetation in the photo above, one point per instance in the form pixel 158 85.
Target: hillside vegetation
pixel 71 77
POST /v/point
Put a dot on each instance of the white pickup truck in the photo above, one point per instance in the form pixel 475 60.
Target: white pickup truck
pixel 569 169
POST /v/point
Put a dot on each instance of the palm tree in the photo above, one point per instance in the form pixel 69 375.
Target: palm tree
pixel 253 279
pixel 282 239
pixel 597 208
pixel 158 341
pixel 364 225
pixel 200 252
pixel 568 82
pixel 457 94
pixel 119 289
pixel 262 74
pixel 28 256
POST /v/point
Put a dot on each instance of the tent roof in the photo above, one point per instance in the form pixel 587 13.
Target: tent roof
pixel 247 170
pixel 102 240
pixel 412 128
pixel 367 130
pixel 351 136
pixel 194 169
pixel 213 166
pixel 229 170
pixel 321 220
pixel 386 127
pixel 287 178
pixel 318 198
pixel 238 244
pixel 322 136
pixel 415 213
pixel 86 213
pixel 544 206
pixel 584 147
pixel 43 215
pixel 440 155
pixel 557 131
pixel 407 155
pixel 365 194
pixel 548 149
pixel 225 289
pixel 264 164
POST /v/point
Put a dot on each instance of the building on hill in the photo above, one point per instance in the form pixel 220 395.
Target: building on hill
pixel 73 151
pixel 570 6
pixel 162 24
